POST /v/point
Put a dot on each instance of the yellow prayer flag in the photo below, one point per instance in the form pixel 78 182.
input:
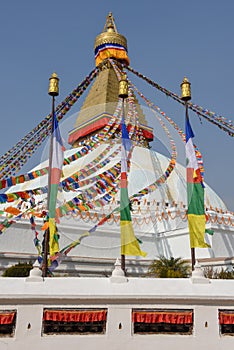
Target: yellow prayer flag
pixel 54 245
pixel 197 225
pixel 129 243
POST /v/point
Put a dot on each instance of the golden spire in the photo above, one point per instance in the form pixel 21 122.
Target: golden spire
pixel 110 34
pixel 110 24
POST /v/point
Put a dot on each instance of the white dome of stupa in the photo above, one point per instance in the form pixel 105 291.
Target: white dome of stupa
pixel 159 217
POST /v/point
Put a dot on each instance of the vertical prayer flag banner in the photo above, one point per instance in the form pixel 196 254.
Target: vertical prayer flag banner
pixel 55 175
pixel 129 243
pixel 195 194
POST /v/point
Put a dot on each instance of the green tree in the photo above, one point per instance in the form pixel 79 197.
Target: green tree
pixel 169 268
pixel 18 270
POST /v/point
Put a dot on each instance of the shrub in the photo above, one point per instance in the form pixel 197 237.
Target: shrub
pixel 212 273
pixel 169 268
pixel 224 274
pixel 18 270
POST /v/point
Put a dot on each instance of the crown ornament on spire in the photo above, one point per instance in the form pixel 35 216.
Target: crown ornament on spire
pixel 110 24
pixel 111 44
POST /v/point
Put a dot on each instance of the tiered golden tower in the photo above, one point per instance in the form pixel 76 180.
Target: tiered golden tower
pixel 101 101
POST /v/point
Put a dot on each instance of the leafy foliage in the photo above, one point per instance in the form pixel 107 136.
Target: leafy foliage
pixel 210 272
pixel 18 270
pixel 169 268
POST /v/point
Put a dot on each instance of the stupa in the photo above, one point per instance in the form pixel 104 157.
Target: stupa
pixel 157 186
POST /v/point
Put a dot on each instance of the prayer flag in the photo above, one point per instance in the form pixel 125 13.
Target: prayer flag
pixel 129 243
pixel 195 194
pixel 55 175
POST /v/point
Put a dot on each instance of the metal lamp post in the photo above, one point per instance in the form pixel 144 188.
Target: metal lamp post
pixel 53 91
pixel 186 96
pixel 123 93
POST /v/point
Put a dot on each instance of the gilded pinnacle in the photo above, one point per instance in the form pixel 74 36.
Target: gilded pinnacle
pixel 185 90
pixel 110 34
pixel 54 85
pixel 123 87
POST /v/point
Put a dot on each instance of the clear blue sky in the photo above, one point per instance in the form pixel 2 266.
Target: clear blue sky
pixel 166 40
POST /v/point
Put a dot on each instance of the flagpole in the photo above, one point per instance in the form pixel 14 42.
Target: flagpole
pixel 123 93
pixel 53 91
pixel 123 264
pixel 193 258
pixel 186 96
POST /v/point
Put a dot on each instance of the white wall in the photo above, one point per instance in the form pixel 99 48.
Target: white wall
pixel 115 338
